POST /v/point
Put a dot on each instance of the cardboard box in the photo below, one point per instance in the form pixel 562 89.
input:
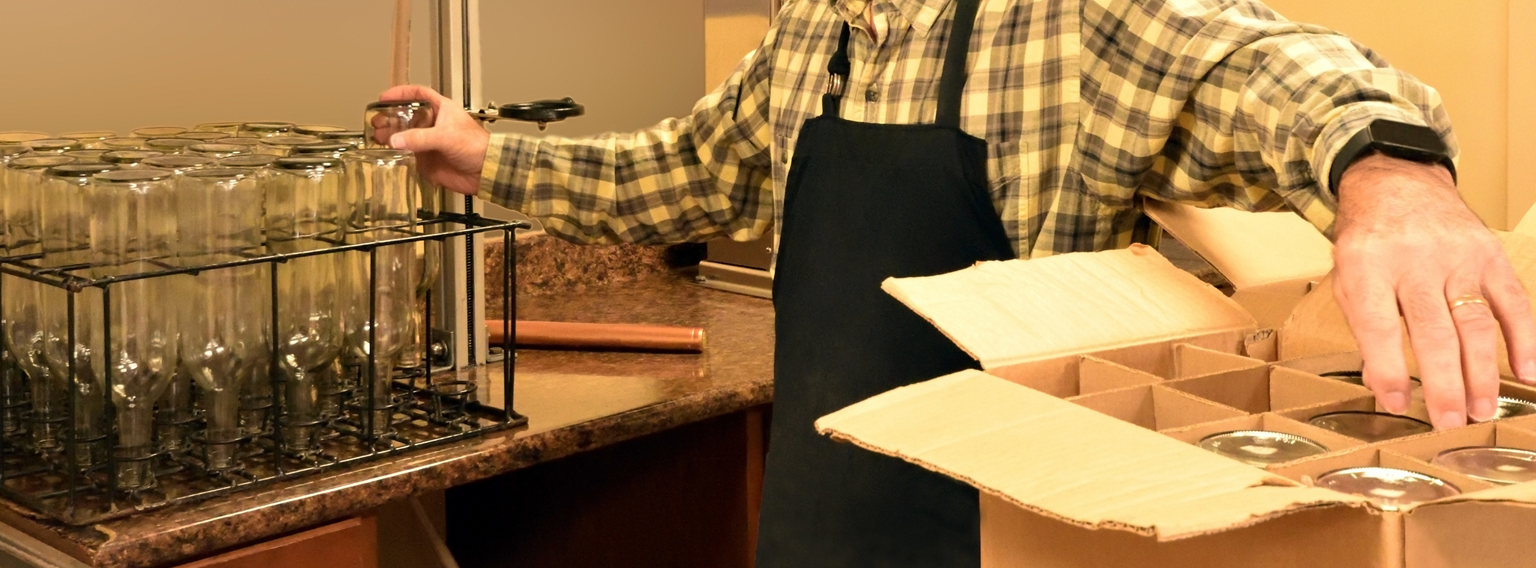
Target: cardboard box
pixel 1099 370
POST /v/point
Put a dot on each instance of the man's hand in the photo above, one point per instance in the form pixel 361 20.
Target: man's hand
pixel 1407 245
pixel 449 153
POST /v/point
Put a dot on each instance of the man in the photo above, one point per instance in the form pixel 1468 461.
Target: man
pixel 914 137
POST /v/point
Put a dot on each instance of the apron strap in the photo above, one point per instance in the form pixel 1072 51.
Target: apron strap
pixel 952 82
pixel 839 67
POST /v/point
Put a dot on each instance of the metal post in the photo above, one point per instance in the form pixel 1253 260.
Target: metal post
pixel 273 371
pixel 373 346
pixel 72 463
pixel 109 409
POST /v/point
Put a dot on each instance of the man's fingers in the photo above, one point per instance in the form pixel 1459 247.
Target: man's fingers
pixel 1371 308
pixel 410 92
pixel 417 140
pixel 1512 306
pixel 1437 346
pixel 1479 356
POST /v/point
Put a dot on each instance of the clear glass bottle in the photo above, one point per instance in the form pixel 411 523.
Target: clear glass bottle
pixel 151 132
pixel 124 143
pixel 66 217
pixel 53 145
pixel 218 151
pixel 133 219
pixel 128 158
pixel 383 119
pixel 248 161
pixel 284 145
pixel 304 210
pixel 86 156
pixel 351 137
pixel 22 316
pixel 19 137
pixel 230 128
pixel 170 145
pixel 7 153
pixel 383 206
pixel 180 164
pixel 250 143
pixel 202 136
pixel 324 150
pixel 225 313
pixel 266 129
pixel 316 129
pixel 91 140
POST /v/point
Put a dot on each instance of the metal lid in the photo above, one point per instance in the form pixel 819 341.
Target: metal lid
pixel 39 162
pixel 1390 488
pixel 13 150
pixel 222 173
pixel 79 171
pixel 321 148
pixel 135 176
pixel 1260 447
pixel 129 156
pixel 1510 407
pixel 248 161
pixel 1504 466
pixel 53 144
pixel 290 140
pixel 1370 426
pixel 267 127
pixel 419 103
pixel 171 143
pixel 239 141
pixel 341 135
pixel 125 143
pixel 90 135
pixel 158 131
pixel 317 129
pixel 216 148
pixel 306 163
pixel 179 162
pixel 19 137
pixel 202 136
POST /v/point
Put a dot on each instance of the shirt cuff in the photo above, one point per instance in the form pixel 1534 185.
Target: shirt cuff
pixel 508 165
pixel 1348 121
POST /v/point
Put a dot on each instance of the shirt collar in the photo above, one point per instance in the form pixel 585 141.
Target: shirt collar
pixel 920 14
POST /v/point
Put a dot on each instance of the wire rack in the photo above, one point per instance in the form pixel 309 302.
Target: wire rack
pixel 421 411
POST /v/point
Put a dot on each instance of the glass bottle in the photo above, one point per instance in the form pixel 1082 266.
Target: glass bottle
pixel 52 145
pixel 230 128
pixel 151 132
pixel 20 137
pixel 383 196
pixel 218 151
pixel 86 156
pixel 124 143
pixel 325 150
pixel 250 143
pixel 22 316
pixel 13 388
pixel 351 137
pixel 128 159
pixel 284 145
pixel 180 164
pixel 202 136
pixel 66 218
pixel 248 161
pixel 304 210
pixel 91 140
pixel 316 129
pixel 383 119
pixel 266 129
pixel 133 219
pixel 224 313
pixel 7 153
pixel 170 145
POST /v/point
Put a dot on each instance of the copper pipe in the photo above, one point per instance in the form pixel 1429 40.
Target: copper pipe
pixel 602 336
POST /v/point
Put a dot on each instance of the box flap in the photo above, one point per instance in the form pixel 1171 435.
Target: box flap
pixel 1017 311
pixel 1249 249
pixel 1008 440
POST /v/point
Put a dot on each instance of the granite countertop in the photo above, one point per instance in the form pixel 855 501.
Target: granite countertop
pixel 575 401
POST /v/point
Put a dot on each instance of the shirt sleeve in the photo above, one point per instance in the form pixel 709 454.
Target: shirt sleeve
pixel 705 175
pixel 1225 103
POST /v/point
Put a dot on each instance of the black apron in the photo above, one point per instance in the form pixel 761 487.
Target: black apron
pixel 865 202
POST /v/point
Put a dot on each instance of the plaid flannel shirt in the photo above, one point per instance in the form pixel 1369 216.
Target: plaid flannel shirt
pixel 1086 106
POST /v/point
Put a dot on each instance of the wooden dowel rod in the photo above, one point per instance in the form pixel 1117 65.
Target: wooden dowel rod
pixel 602 336
pixel 400 43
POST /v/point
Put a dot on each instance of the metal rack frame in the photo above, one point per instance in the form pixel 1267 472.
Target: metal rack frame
pixel 91 494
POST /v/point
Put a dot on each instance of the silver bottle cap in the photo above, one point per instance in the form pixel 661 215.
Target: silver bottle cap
pixel 1390 488
pixel 1370 426
pixel 1504 466
pixel 1260 447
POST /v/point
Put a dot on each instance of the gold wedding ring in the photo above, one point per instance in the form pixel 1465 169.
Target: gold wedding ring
pixel 1468 299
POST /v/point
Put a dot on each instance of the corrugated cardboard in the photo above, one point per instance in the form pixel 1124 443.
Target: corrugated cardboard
pixel 1091 482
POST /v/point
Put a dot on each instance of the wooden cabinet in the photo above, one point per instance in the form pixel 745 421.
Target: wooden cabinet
pixel 352 543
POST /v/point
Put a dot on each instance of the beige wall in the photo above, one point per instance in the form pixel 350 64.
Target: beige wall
pixel 1481 57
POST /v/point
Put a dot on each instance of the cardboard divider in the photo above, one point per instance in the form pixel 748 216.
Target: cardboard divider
pixel 1505 435
pixel 1266 389
pixel 1096 375
pixel 1196 361
pixel 1319 364
pixel 1271 422
pixel 1156 407
pixel 1058 376
pixel 1308 470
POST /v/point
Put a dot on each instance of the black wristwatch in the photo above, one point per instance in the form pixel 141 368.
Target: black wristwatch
pixel 1397 139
